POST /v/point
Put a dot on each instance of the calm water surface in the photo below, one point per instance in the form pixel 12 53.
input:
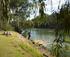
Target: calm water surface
pixel 45 35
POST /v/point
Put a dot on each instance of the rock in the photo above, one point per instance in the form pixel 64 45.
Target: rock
pixel 45 55
pixel 40 42
pixel 32 41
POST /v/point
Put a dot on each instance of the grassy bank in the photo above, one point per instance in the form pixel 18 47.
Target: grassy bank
pixel 15 45
pixel 67 40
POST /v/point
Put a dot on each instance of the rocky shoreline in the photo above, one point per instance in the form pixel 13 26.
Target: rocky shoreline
pixel 40 45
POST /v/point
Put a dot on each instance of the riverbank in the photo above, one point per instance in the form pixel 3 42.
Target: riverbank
pixel 39 45
pixel 15 45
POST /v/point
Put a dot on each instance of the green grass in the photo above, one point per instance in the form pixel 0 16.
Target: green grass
pixel 67 48
pixel 32 51
pixel 12 46
pixel 67 40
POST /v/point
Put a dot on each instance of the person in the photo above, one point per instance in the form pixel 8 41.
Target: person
pixel 29 35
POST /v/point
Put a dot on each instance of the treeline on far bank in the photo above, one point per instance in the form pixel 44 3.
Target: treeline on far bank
pixel 45 21
pixel 59 20
pixel 17 21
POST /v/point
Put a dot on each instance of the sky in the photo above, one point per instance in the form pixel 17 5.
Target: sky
pixel 55 4
pixel 48 7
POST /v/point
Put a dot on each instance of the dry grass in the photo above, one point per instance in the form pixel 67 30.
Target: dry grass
pixel 16 46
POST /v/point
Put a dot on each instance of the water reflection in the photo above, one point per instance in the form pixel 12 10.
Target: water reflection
pixel 46 35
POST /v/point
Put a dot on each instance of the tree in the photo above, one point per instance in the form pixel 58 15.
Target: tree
pixel 4 25
pixel 18 13
pixel 62 29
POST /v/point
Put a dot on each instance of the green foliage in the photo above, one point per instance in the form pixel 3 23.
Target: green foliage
pixel 57 50
pixel 7 27
pixel 28 24
pixel 40 21
pixel 19 16
pixel 62 18
pixel 41 10
pixel 4 20
pixel 31 50
pixel 62 25
pixel 16 3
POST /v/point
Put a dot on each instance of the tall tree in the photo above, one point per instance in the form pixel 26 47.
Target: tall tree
pixel 5 12
pixel 62 28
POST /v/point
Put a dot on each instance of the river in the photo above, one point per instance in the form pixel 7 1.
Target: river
pixel 46 35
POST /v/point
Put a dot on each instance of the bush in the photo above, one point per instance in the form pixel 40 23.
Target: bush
pixel 7 27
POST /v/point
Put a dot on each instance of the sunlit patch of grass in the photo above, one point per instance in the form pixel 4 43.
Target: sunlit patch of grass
pixel 12 46
pixel 67 40
pixel 34 52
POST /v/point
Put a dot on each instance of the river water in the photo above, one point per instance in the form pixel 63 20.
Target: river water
pixel 42 34
pixel 46 35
